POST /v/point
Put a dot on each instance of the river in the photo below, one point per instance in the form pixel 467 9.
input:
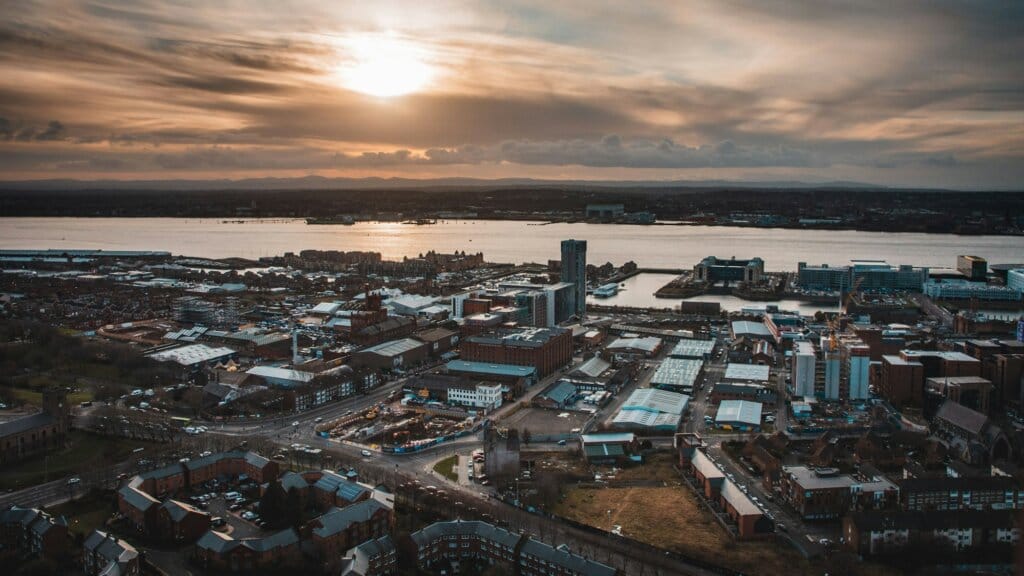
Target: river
pixel 505 241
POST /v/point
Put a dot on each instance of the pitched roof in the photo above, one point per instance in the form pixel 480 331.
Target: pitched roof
pixel 339 519
pixel 179 510
pixel 962 417
pixel 20 425
pixel 564 559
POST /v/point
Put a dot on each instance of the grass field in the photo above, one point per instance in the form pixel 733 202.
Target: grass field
pixel 446 468
pixel 36 398
pixel 87 513
pixel 671 518
pixel 83 450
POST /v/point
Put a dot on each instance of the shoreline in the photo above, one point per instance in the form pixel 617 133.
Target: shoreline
pixel 235 219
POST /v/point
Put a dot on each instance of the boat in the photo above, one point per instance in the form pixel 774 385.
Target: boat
pixel 421 221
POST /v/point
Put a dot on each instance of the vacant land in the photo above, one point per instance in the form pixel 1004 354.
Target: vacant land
pixel 35 397
pixel 84 451
pixel 671 518
pixel 446 468
pixel 540 421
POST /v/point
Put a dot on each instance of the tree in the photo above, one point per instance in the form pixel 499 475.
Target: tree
pixel 274 506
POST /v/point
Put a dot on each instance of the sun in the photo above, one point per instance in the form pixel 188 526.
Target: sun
pixel 385 66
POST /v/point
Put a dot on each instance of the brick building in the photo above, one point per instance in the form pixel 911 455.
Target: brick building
pixel 961 493
pixel 39 433
pixel 220 552
pixel 822 493
pixel 104 554
pixel 30 532
pixel 546 349
pixel 339 529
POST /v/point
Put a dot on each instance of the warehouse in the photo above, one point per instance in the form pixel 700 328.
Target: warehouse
pixel 738 415
pixel 677 375
pixel 696 349
pixel 646 346
pixel 391 355
pixel 747 373
pixel 651 410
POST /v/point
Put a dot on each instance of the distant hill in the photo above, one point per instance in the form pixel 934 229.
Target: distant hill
pixel 323 183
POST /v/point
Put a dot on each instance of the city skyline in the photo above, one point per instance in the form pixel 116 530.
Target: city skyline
pixel 901 96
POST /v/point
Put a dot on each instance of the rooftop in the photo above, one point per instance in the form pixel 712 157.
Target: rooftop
pixel 654 400
pixel 742 411
pixel 192 354
pixel 394 347
pixel 747 372
pixel 488 368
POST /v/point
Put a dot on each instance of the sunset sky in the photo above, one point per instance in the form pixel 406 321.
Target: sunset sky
pixel 888 92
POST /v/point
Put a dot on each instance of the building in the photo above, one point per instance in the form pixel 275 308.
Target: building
pixel 902 382
pixel 501 451
pixel 31 533
pixel 961 493
pixel 521 377
pixel 712 270
pixel 469 539
pixel 393 355
pixel 104 554
pixel 194 358
pixel 286 378
pixel 1015 279
pixel 39 433
pixel 371 558
pixel 867 275
pixel 970 434
pixel 559 396
pixel 739 415
pixel 606 211
pixel 754 373
pixel 823 278
pixel 180 522
pixel 713 486
pixel 609 448
pixel 973 267
pixel 644 346
pixel 456 390
pixel 858 363
pixel 677 375
pixel 651 410
pixel 822 493
pixel 804 368
pixel 340 529
pixel 439 340
pixel 694 349
pixel 221 552
pixel 879 533
pixel 761 394
pixel 970 391
pixel 957 289
pixel 545 349
pixel 574 271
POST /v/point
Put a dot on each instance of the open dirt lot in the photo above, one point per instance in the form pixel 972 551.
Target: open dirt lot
pixel 671 518
pixel 540 421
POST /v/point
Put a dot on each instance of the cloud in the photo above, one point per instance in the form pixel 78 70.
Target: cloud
pixel 877 91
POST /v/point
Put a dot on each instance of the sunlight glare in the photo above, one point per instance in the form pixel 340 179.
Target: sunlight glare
pixel 385 66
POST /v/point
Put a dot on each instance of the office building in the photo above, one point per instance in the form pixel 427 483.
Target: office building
pixel 546 349
pixel 867 275
pixel 574 271
pixel 712 270
pixel 973 267
pixel 1015 279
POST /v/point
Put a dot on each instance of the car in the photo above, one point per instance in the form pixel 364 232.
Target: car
pixel 318 419
pixel 205 454
pixel 366 453
pixel 74 481
pixel 781 527
pixel 561 442
pixel 234 507
pixel 617 530
pixel 217 521
pixel 248 515
pixel 825 542
pixel 295 423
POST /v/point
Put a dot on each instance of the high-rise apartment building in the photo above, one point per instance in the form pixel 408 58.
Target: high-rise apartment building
pixel 574 271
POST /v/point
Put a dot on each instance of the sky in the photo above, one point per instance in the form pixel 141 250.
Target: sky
pixel 893 92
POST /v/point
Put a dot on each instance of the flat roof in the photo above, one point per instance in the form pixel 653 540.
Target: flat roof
pixel 692 348
pixel 192 354
pixel 748 327
pixel 654 400
pixel 489 368
pixel 280 373
pixel 395 347
pixel 757 372
pixel 647 343
pixel 608 437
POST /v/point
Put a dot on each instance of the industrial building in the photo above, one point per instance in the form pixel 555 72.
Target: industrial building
pixel 508 373
pixel 646 346
pixel 395 354
pixel 739 415
pixel 677 374
pixel 747 373
pixel 649 409
pixel 696 349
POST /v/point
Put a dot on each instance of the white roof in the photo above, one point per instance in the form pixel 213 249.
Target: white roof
pixel 740 327
pixel 641 418
pixel 594 367
pixel 738 500
pixel 677 372
pixel 654 400
pixel 648 344
pixel 756 372
pixel 192 354
pixel 395 347
pixel 275 373
pixel 326 308
pixel 692 348
pixel 742 411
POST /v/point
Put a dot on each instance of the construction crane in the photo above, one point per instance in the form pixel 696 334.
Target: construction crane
pixel 833 323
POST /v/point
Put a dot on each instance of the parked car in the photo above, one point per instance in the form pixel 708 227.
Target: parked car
pixel 366 453
pixel 74 481
pixel 217 521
